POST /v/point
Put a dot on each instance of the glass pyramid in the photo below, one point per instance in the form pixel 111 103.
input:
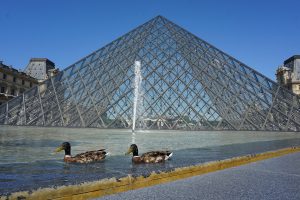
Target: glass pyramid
pixel 186 84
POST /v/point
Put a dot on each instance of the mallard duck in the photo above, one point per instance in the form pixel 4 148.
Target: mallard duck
pixel 87 157
pixel 149 157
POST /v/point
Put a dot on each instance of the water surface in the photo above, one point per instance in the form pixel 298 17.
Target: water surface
pixel 27 160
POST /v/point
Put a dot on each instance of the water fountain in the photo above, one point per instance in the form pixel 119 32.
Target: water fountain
pixel 136 99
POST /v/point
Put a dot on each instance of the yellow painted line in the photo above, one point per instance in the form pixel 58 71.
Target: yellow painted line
pixel 112 186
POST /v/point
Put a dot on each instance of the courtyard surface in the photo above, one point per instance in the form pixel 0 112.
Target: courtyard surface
pixel 277 178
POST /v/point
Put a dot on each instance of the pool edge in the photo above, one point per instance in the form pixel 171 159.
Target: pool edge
pixel 111 186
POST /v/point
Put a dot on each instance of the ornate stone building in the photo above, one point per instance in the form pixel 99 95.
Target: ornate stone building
pixel 13 82
pixel 288 74
pixel 41 68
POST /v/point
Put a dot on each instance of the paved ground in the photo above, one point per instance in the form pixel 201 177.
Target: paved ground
pixel 277 178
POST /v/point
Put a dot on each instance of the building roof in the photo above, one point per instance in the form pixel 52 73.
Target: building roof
pixel 294 57
pixel 42 60
pixel 13 70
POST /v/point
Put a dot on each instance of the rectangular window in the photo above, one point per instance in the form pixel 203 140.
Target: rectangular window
pixel 14 79
pixel 23 82
pixel 30 84
pixel 2 89
pixel 4 76
pixel 12 92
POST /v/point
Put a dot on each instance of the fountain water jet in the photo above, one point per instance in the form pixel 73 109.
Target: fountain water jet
pixel 137 85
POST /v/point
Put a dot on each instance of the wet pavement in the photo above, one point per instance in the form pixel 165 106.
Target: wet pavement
pixel 277 178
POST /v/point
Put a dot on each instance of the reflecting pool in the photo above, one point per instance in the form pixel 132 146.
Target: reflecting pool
pixel 28 162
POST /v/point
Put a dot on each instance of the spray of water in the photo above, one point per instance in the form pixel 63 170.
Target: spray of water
pixel 137 85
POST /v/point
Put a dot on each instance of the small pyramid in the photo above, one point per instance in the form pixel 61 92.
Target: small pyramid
pixel 187 84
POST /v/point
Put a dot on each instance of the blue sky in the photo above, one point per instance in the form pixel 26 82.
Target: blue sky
pixel 261 34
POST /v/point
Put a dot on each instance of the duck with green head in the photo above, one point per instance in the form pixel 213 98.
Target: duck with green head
pixel 87 157
pixel 149 157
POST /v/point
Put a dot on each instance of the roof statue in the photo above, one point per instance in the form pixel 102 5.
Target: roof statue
pixel 186 83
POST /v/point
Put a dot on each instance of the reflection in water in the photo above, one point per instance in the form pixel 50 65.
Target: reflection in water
pixel 27 161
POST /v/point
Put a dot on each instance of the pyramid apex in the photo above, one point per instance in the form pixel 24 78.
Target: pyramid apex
pixel 159 16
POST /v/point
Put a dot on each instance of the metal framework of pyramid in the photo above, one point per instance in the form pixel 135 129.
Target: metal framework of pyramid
pixel 186 84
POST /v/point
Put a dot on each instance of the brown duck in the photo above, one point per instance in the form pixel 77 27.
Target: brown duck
pixel 149 157
pixel 87 157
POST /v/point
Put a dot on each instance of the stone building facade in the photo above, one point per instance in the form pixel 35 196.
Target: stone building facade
pixel 13 82
pixel 40 68
pixel 288 74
